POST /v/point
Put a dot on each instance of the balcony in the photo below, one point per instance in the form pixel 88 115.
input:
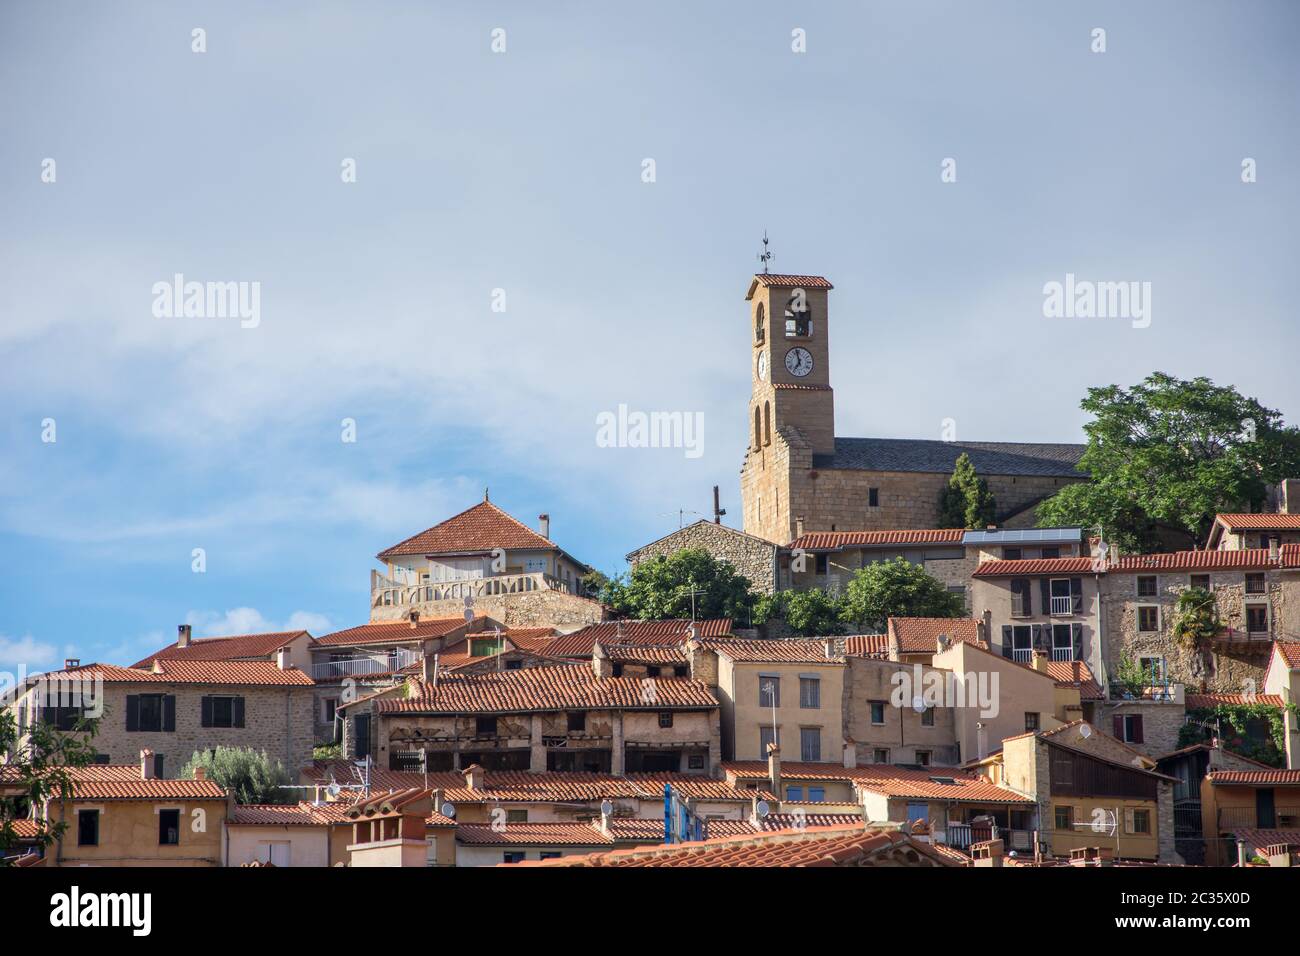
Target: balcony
pixel 1063 654
pixel 1233 818
pixel 1022 655
pixel 1062 606
pixel 361 666
pixel 389 593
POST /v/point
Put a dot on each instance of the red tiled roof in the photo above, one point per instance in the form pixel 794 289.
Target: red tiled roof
pixel 236 647
pixel 164 671
pixel 775 651
pixel 390 632
pixel 533 834
pixel 1257 839
pixel 790 821
pixel 291 814
pixel 25 829
pixel 1260 522
pixel 776 281
pixel 668 633
pixel 837 540
pixel 123 782
pixel 867 645
pixel 814 846
pixel 890 780
pixel 1290 651
pixel 1291 555
pixel 540 689
pixel 1207 701
pixel 1032 566
pixel 1075 674
pixel 695 787
pixel 476 530
pixel 1281 778
pixel 1247 559
pixel 644 653
pixel 920 635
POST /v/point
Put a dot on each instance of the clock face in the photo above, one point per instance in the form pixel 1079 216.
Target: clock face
pixel 762 366
pixel 798 361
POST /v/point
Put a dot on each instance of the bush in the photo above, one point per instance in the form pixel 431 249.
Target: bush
pixel 252 776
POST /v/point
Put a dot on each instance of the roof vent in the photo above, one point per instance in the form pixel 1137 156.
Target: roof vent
pixel 949 781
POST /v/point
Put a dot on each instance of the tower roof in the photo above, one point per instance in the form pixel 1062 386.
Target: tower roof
pixel 775 281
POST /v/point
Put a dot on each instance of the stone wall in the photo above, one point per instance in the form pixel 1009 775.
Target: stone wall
pixel 1161 722
pixel 565 612
pixel 751 556
pixel 902 733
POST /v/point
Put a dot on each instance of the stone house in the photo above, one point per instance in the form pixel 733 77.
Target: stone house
pixel 174 708
pixel 751 556
pixel 1243 812
pixel 829 559
pixel 883 724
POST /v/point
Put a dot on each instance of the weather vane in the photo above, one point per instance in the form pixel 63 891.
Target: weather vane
pixel 766 255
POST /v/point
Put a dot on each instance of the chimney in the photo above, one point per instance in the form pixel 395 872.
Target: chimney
pixel 828 644
pixel 146 764
pixel 182 635
pixel 774 769
pixel 850 753
pixel 474 777
pixel 1274 547
pixel 798 526
pixel 415 618
pixel 606 816
pixel 1040 660
pixel 601 665
pixel 618 631
pixel 986 627
pixel 282 658
pixel 544 526
pixel 1290 503
pixel 200 773
pixel 429 669
pixel 1241 853
pixel 71 662
pixel 942 643
pixel 988 853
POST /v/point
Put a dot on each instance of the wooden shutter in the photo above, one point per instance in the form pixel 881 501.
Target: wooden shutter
pixel 1137 729
pixel 1040 637
pixel 169 712
pixel 205 712
pixel 1076 638
pixel 1045 588
pixel 1076 595
pixel 1006 640
pixel 132 711
pixel 1118 726
pixel 237 712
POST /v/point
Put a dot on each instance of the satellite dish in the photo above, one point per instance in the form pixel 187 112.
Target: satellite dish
pixel 469 614
pixel 447 810
pixel 333 790
pixel 1085 731
pixel 469 600
pixel 763 809
pixel 606 808
pixel 918 704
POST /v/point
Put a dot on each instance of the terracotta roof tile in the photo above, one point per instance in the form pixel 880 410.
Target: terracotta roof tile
pixel 123 782
pixel 1290 651
pixel 867 645
pixel 775 281
pixel 291 814
pixel 666 633
pixel 776 650
pixel 1248 559
pixel 233 673
pixel 475 530
pixel 920 635
pixel 837 540
pixel 644 653
pixel 236 647
pixel 1075 674
pixel 389 632
pixel 1033 566
pixel 1207 701
pixel 1260 522
pixel 1282 778
pixel 893 781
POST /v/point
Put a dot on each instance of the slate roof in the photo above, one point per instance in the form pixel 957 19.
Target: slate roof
pixel 939 457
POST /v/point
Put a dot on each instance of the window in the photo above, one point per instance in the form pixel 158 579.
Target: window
pixel 923 758
pixel 1256 583
pixel 877 711
pixel 798 319
pixel 760 327
pixel 1063 641
pixel 577 720
pixel 328 707
pixel 221 711
pixel 1031 720
pixel 880 755
pixel 1201 581
pixel 873 497
pixel 680 670
pixel 927 717
pixel 1148 618
pixel 618 668
pixel 1128 728
pixel 514 665
pixel 810 744
pixel 758 434
pixel 769 690
pixel 1011 554
pixel 816 794
pixel 517 816
pixel 767 423
pixel 651 671
pixel 810 693
pixel 485 726
pixel 151 712
pixel 1065 818
pixel 794 793
pixel 1139 821
pixel 1257 618
pixel 1022 604
pixel 766 737
pixel 87 828
pixel 1051 552
pixel 1062 602
pixel 823 564
pixel 1154 670
pixel 665 718
pixel 1146 585
pixel 169 827
pixel 159 766
pixel 549 855
pixel 695 761
pixel 512 857
pixel 483 646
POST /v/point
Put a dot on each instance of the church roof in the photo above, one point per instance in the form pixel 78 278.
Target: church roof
pixel 923 455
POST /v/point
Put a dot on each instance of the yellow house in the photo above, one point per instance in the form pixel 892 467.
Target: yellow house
pixel 1283 679
pixel 1243 811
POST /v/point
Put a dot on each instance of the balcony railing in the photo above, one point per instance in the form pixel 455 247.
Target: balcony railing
pixel 1284 818
pixel 1022 655
pixel 1062 606
pixel 360 666
pixel 1062 653
pixel 391 593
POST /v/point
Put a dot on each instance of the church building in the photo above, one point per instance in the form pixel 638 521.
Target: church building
pixel 799 477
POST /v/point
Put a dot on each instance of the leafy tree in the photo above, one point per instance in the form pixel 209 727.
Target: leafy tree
pixel 896 588
pixel 592 584
pixel 811 613
pixel 1173 452
pixel 966 502
pixel 661 588
pixel 1131 676
pixel 251 775
pixel 38 770
pixel 1197 617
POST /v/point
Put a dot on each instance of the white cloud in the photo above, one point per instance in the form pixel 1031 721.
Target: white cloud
pixel 25 652
pixel 249 620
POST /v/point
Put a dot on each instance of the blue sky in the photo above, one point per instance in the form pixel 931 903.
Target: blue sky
pixel 522 171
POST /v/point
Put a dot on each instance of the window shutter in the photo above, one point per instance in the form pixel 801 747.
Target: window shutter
pixel 1076 595
pixel 169 712
pixel 205 712
pixel 238 708
pixel 1076 636
pixel 1040 637
pixel 1045 587
pixel 1137 729
pixel 1118 727
pixel 1006 640
pixel 132 711
pixel 1128 820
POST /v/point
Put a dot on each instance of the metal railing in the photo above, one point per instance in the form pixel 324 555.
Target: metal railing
pixel 1022 655
pixel 1062 606
pixel 1284 818
pixel 1063 653
pixel 385 592
pixel 360 666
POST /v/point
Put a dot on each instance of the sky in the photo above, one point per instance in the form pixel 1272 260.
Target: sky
pixel 517 177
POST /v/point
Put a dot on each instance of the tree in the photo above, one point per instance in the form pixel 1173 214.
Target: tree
pixel 251 775
pixel 966 502
pixel 592 584
pixel 1198 617
pixel 811 613
pixel 896 588
pixel 38 770
pixel 662 588
pixel 1173 452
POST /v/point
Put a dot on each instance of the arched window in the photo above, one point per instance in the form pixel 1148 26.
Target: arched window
pixel 767 423
pixel 760 330
pixel 798 316
pixel 758 428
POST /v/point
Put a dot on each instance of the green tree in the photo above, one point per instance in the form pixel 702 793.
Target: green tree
pixel 251 775
pixel 1197 618
pixel 1173 452
pixel 662 588
pixel 592 584
pixel 39 769
pixel 811 613
pixel 966 502
pixel 1131 676
pixel 896 588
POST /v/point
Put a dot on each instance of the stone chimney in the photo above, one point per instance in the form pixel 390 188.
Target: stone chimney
pixel 1040 660
pixel 282 658
pixel 942 643
pixel 850 753
pixel 755 820
pixel 774 769
pixel 146 764
pixel 200 773
pixel 798 526
pixel 182 635
pixel 601 665
pixel 415 618
pixel 474 777
pixel 429 669
pixel 828 645
pixel 703 663
pixel 544 526
pixel 1274 547
pixel 986 627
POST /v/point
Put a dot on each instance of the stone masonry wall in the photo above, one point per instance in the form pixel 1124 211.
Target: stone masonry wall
pixel 565 612
pixel 753 557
